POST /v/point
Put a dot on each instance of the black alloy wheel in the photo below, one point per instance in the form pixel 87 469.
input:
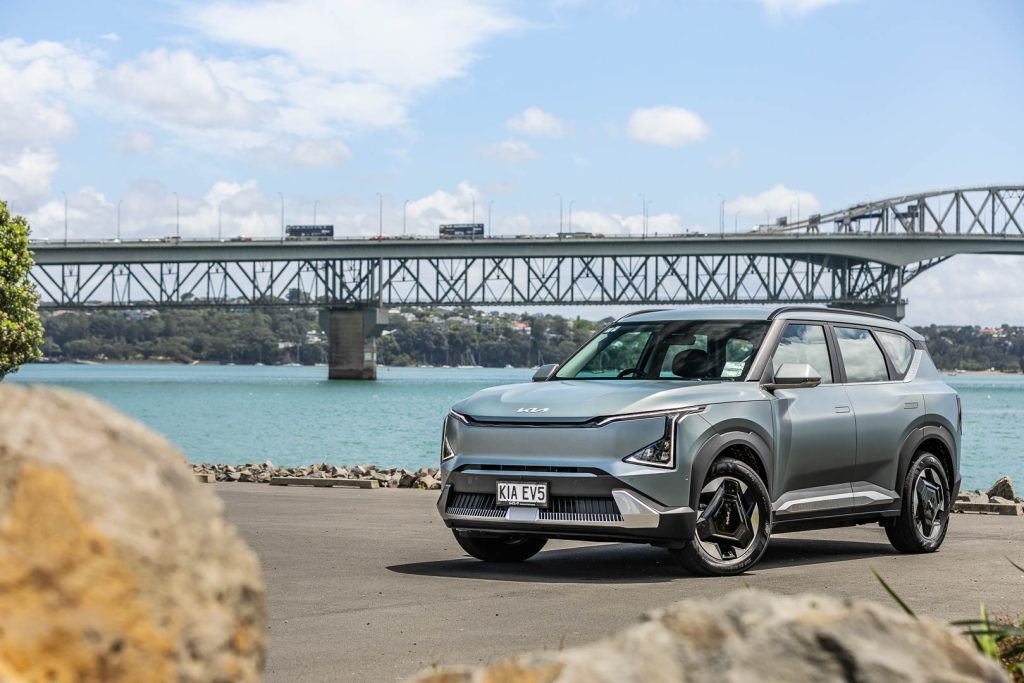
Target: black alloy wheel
pixel 733 521
pixel 924 514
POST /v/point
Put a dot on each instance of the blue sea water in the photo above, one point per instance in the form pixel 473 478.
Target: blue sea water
pixel 294 416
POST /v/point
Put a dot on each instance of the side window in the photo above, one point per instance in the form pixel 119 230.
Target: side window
pixel 900 350
pixel 804 344
pixel 862 358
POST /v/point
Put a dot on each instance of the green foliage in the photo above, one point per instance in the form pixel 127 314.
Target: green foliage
pixel 974 348
pixel 997 640
pixel 278 335
pixel 21 332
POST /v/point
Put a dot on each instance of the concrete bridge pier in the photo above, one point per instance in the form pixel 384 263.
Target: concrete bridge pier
pixel 895 310
pixel 351 340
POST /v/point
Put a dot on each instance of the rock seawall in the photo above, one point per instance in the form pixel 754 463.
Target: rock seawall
pixel 386 477
pixel 114 563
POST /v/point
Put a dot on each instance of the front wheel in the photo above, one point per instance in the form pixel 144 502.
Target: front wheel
pixel 733 521
pixel 510 548
pixel 924 511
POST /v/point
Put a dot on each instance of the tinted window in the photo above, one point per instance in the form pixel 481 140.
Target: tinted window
pixel 900 350
pixel 862 358
pixel 804 344
pixel 719 350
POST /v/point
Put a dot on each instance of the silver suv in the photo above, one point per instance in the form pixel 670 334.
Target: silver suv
pixel 706 430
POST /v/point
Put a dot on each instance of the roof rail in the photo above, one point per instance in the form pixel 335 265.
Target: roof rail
pixel 641 312
pixel 825 309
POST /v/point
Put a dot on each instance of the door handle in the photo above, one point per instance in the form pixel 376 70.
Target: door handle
pixel 910 405
pixel 842 409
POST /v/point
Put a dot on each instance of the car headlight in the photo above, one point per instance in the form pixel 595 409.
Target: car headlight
pixel 658 454
pixel 447 452
pixel 662 453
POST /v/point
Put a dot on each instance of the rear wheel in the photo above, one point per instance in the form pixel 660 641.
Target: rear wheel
pixel 924 514
pixel 510 548
pixel 733 521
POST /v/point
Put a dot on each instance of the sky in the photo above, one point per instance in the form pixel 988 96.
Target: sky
pixel 210 115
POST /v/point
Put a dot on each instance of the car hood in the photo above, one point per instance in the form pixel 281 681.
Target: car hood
pixel 582 400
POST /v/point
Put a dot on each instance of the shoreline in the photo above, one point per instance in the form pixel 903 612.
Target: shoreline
pixel 427 478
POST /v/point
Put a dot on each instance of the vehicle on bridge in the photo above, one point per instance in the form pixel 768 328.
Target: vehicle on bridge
pixel 460 230
pixel 706 430
pixel 309 232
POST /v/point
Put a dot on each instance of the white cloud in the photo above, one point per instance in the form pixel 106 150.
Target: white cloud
pixel 179 88
pixel 510 151
pixel 304 153
pixel 38 80
pixel 773 203
pixel 666 126
pixel 427 212
pixel 135 142
pixel 111 37
pixel 26 177
pixel 967 290
pixel 401 43
pixel 781 8
pixel 535 121
pixel 617 224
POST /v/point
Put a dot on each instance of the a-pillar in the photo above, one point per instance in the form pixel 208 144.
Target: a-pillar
pixel 894 309
pixel 351 341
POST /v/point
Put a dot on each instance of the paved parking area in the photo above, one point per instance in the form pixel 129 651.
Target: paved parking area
pixel 371 586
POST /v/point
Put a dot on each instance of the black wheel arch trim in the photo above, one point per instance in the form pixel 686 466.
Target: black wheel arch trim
pixel 912 445
pixel 716 445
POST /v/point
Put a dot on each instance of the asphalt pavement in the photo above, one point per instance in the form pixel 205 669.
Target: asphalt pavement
pixel 369 585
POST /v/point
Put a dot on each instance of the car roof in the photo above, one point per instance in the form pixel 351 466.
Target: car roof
pixel 768 313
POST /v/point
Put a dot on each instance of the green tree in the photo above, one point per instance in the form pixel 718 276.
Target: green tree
pixel 21 332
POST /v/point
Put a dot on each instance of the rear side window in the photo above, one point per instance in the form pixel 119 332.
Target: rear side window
pixel 862 358
pixel 804 344
pixel 900 350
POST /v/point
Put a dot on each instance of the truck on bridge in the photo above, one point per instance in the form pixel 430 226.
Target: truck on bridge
pixel 306 232
pixel 449 230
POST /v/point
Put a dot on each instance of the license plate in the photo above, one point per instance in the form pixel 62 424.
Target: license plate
pixel 521 493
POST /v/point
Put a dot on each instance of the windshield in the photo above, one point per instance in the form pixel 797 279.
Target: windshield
pixel 718 350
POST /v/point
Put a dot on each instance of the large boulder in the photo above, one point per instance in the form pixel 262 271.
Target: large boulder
pixel 114 563
pixel 1002 488
pixel 754 636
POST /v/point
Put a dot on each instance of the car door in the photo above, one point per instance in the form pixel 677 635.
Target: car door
pixel 815 430
pixel 884 406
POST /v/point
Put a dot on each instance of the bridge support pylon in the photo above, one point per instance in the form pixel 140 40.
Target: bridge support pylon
pixel 894 309
pixel 351 340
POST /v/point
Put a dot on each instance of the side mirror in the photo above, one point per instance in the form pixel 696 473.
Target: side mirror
pixel 544 372
pixel 794 376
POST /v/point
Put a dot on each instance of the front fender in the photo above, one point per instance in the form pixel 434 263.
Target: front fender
pixel 718 443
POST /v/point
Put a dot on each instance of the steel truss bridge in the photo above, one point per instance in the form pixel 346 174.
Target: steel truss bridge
pixel 862 256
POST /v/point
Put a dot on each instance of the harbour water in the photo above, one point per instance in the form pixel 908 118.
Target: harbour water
pixel 294 416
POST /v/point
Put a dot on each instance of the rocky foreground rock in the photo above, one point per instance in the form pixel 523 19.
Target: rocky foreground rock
pixel 753 636
pixel 386 477
pixel 114 563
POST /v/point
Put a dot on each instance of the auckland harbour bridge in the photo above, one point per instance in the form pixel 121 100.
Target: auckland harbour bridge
pixel 858 257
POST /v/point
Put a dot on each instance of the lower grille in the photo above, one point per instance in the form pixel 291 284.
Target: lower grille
pixel 474 505
pixel 563 508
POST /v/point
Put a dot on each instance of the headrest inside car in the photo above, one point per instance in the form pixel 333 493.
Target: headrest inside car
pixel 692 363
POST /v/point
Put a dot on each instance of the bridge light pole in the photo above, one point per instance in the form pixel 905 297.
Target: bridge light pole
pixel 647 214
pixel 315 204
pixel 282 214
pixel 119 203
pixel 571 202
pixel 559 194
pixel 220 225
pixel 405 207
pixel 177 214
pixel 490 205
pixel 65 216
pixel 473 214
pixel 721 215
pixel 380 216
pixel 643 214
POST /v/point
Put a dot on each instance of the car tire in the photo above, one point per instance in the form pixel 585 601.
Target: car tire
pixel 510 548
pixel 725 544
pixel 924 508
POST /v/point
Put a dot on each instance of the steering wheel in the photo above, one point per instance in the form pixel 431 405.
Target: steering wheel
pixel 627 372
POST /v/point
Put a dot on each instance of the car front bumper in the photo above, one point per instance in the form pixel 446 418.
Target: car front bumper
pixel 595 507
